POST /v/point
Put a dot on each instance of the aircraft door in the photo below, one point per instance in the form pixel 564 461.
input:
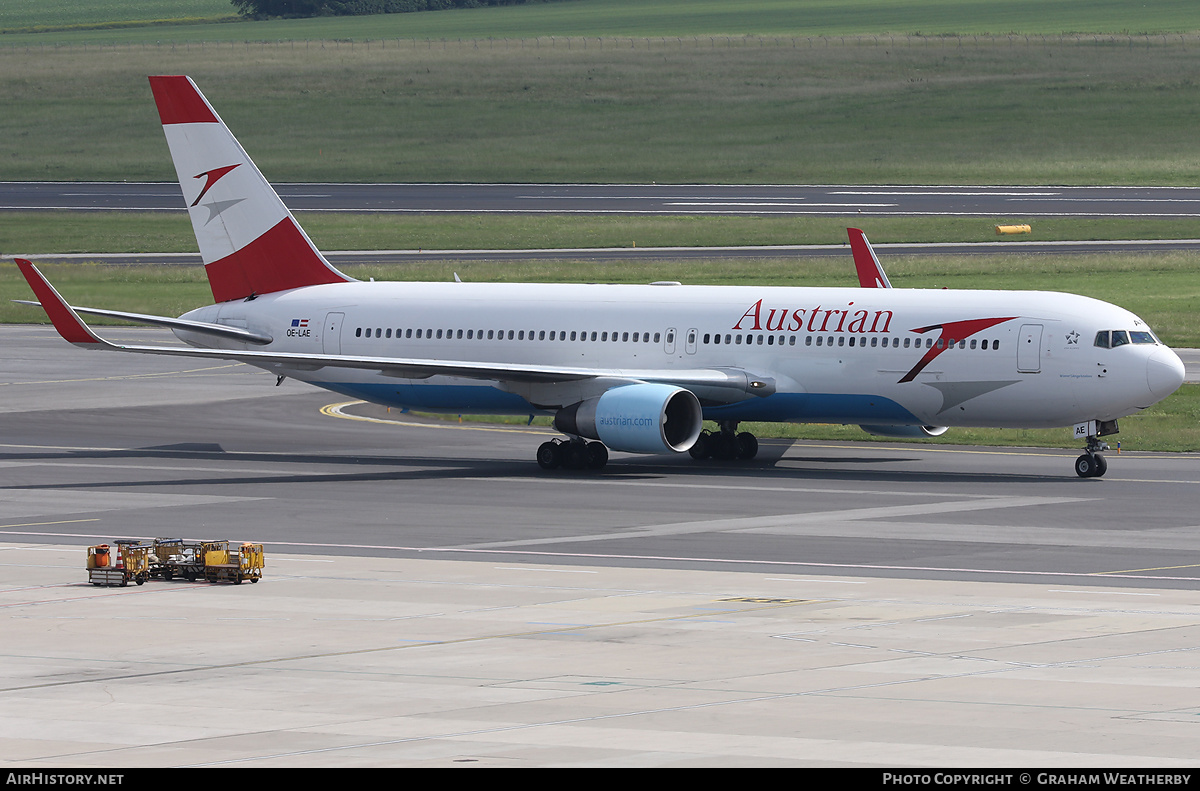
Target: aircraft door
pixel 691 340
pixel 1029 349
pixel 669 341
pixel 331 333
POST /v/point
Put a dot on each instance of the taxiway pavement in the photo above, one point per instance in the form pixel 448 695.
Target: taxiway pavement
pixel 432 598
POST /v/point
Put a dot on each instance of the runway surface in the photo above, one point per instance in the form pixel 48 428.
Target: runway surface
pixel 433 598
pixel 1018 203
pixel 348 258
pixel 799 199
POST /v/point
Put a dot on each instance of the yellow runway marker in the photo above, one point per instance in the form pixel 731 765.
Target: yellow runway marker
pixel 1156 568
pixel 42 524
pixel 126 376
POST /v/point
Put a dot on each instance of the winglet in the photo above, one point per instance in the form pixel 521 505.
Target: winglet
pixel 65 319
pixel 870 271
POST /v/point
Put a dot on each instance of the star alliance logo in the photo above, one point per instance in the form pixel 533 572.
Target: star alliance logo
pixel 1072 338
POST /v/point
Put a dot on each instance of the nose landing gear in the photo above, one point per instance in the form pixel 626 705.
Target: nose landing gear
pixel 1091 464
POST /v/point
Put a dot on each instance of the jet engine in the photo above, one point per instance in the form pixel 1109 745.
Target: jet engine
pixel 636 418
pixel 905 431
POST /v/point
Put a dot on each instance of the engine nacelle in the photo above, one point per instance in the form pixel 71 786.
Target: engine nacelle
pixel 637 418
pixel 905 431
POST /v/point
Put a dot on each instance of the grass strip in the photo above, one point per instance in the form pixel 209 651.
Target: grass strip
pixel 992 111
pixel 170 232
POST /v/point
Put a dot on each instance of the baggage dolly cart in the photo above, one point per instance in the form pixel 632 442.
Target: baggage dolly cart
pixel 176 557
pixel 131 563
pixel 223 564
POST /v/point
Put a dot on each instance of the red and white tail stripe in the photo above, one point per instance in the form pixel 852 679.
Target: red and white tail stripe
pixel 248 239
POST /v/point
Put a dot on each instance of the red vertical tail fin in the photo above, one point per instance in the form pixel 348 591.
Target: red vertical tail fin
pixel 251 244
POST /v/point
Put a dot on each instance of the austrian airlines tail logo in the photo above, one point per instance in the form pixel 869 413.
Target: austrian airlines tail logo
pixel 214 176
pixel 952 332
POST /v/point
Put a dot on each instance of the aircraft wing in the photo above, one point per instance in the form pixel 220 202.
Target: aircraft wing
pixel 735 384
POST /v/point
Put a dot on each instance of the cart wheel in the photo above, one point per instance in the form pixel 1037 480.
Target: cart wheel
pixel 253 580
pixel 140 579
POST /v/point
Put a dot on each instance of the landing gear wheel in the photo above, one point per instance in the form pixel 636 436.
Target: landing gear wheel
pixel 747 445
pixel 1090 465
pixel 725 446
pixel 550 455
pixel 575 456
pixel 597 455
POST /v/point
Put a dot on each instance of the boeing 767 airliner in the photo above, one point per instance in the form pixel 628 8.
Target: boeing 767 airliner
pixel 626 367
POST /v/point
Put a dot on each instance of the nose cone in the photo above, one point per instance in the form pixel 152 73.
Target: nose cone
pixel 1164 373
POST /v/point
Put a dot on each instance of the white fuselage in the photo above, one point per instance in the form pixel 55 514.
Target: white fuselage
pixel 839 355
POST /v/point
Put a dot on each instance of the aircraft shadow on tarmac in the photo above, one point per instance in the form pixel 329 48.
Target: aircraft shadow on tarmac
pixel 365 468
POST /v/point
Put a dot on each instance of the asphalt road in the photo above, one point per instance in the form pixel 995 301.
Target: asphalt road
pixel 800 200
pixel 98 444
pixel 1018 203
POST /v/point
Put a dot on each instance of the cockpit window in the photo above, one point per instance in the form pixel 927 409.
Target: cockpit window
pixel 1111 339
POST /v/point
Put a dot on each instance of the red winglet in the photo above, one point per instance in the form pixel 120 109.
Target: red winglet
pixel 179 102
pixel 866 263
pixel 66 321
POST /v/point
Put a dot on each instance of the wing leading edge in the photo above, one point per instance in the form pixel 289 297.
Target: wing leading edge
pixel 738 384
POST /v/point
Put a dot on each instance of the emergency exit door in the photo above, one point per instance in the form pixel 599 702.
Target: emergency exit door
pixel 331 333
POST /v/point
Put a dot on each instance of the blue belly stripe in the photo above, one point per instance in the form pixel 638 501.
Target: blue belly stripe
pixel 778 408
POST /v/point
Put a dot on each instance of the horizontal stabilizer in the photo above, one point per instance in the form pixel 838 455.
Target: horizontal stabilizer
pixel 203 328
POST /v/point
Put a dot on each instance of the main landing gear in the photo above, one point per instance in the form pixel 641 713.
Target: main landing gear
pixel 725 444
pixel 573 454
pixel 1091 464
